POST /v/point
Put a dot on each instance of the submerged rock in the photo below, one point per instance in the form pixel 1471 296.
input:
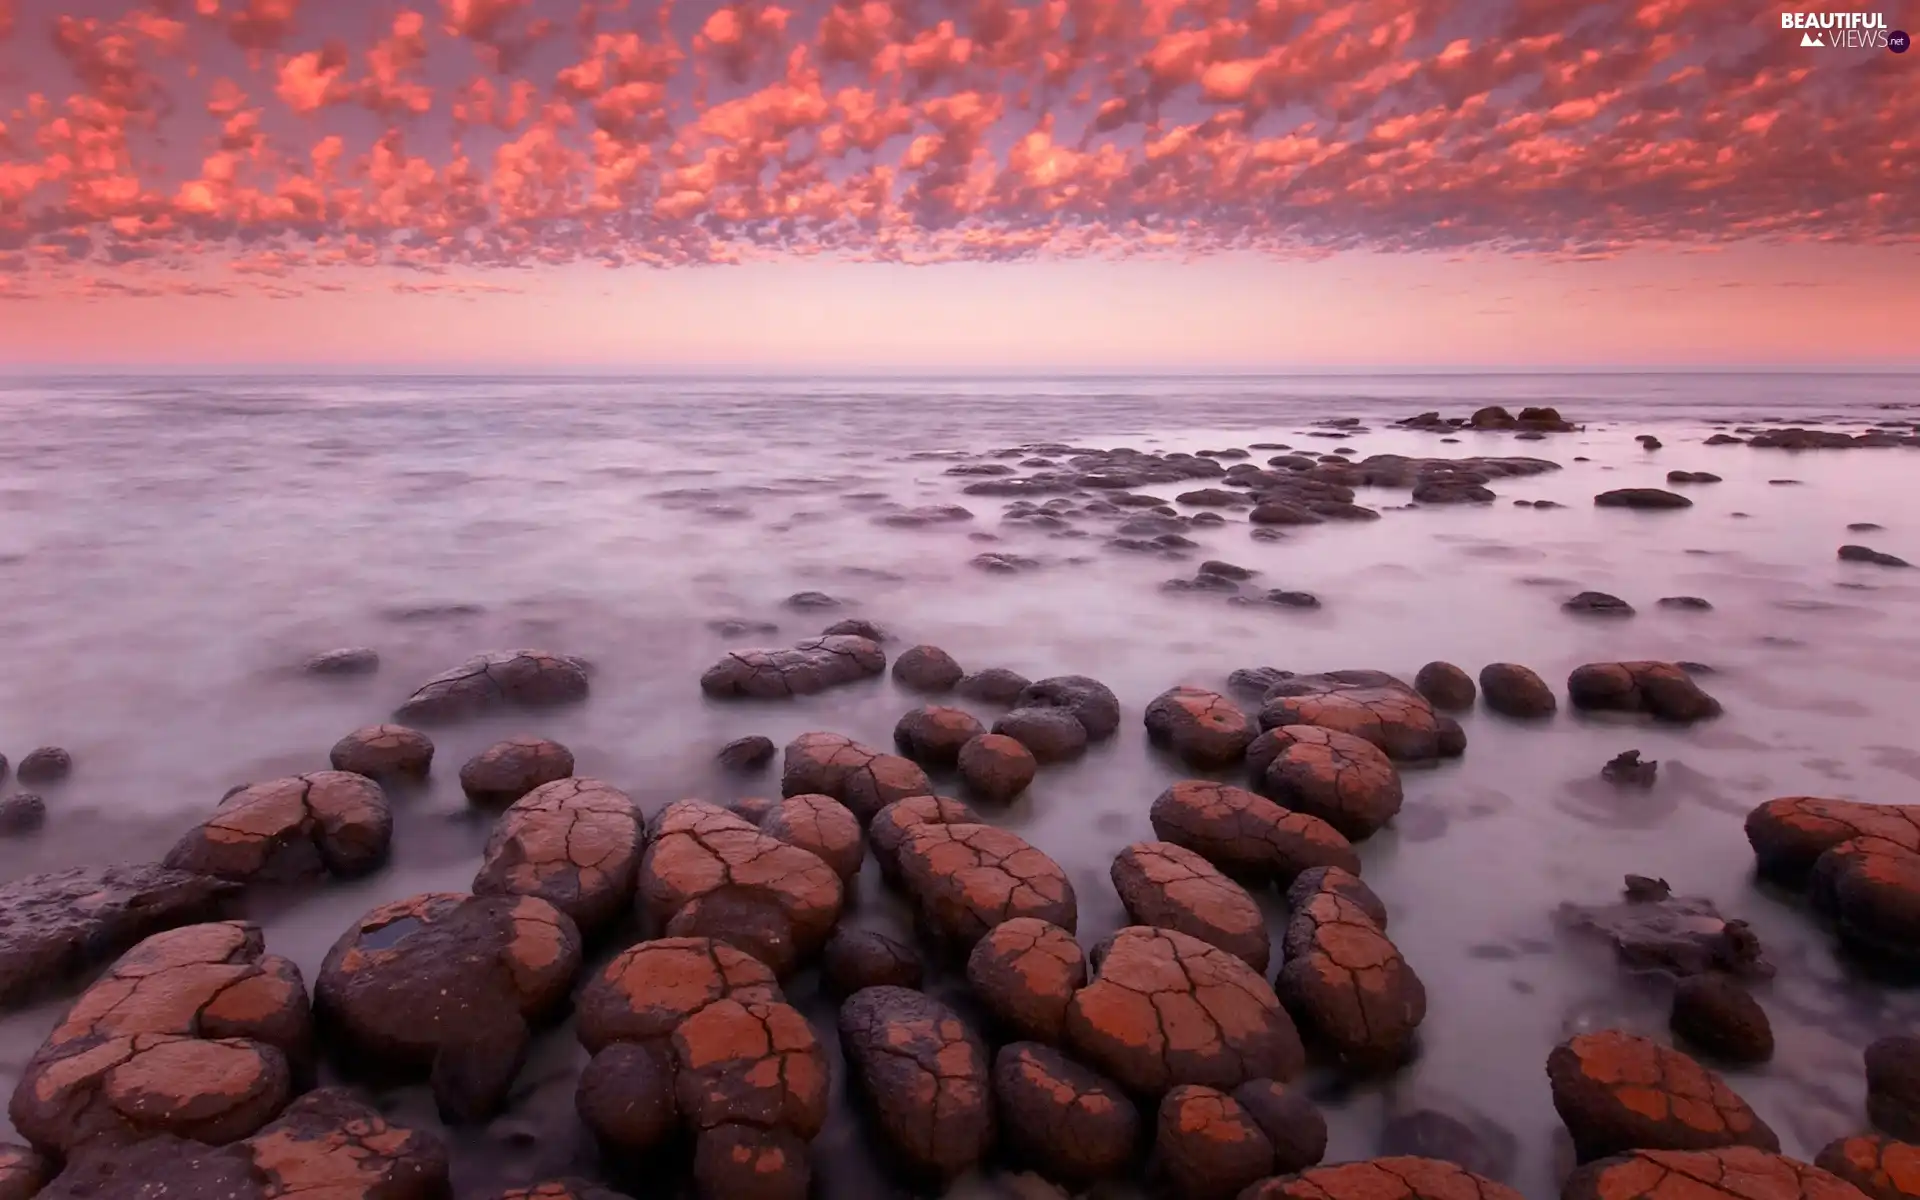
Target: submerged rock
pixel 1598 604
pixel 1881 1167
pixel 350 660
pixel 1721 1018
pixel 799 670
pixel 1663 690
pixel 22 813
pixel 1091 702
pixel 1617 1092
pixel 495 682
pixel 996 768
pixel 1652 930
pixel 1857 554
pixel 383 753
pixel 288 830
pixel 1626 769
pixel 746 754
pixel 1642 498
pixel 47 764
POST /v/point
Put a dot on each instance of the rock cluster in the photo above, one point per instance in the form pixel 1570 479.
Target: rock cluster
pixel 1344 981
pixel 287 830
pixel 1372 705
pixel 1859 862
pixel 1664 691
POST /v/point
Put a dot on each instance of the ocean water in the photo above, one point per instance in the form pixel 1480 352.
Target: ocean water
pixel 172 548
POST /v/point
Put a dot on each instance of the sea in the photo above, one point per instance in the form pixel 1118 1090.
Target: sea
pixel 172 548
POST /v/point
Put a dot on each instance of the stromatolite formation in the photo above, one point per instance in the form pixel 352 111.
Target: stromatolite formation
pixel 822 825
pixel 862 958
pixel 1051 735
pixel 802 669
pixel 1641 498
pixel 1025 972
pixel 926 669
pixel 1880 1166
pixel 1066 1120
pixel 1618 1092
pixel 891 826
pixel 1446 687
pixel 1345 780
pixel 925 1078
pixel 509 769
pixel 996 768
pixel 965 879
pixel 575 843
pixel 1789 835
pixel 1347 984
pixel 286 830
pixel 1207 1145
pixel 1513 690
pixel 933 735
pixel 1663 690
pixel 496 682
pixel 1402 1177
pixel 1247 835
pixel 384 752
pixel 1171 887
pixel 1367 704
pixel 860 777
pixel 1091 702
pixel 1205 729
pixel 1731 1173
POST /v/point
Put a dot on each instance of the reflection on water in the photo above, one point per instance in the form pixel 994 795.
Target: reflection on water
pixel 170 549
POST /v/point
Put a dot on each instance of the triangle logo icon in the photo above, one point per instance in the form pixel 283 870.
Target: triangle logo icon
pixel 1810 39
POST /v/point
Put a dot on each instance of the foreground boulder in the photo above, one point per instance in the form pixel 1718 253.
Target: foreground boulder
pixel 1403 1178
pixel 933 735
pixel 925 1078
pixel 384 752
pixel 1880 1166
pixel 1165 1009
pixel 1051 735
pixel 508 770
pixel 575 843
pixel 798 670
pixel 1893 1085
pixel 822 825
pixel 966 879
pixel 288 830
pixel 54 926
pixel 862 958
pixel 1513 690
pixel 1789 835
pixel 1209 1147
pixel 1205 729
pixel 1367 704
pixel 1170 887
pixel 1025 972
pixel 1347 984
pixel 860 777
pixel 448 985
pixel 1346 781
pixel 1662 690
pixel 1091 702
pixel 890 828
pixel 1617 1092
pixel 195 1032
pixel 497 682
pixel 1066 1120
pixel 1734 1173
pixel 996 768
pixel 1248 835
pixel 926 669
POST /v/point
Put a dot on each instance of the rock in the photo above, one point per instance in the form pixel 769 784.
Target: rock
pixel 56 925
pixel 1091 702
pixel 1626 769
pixel 508 770
pixel 1864 527
pixel 995 685
pixel 495 682
pixel 1618 1092
pixel 810 600
pixel 754 1062
pixel 1878 1165
pixel 1598 604
pixel 1857 554
pixel 733 627
pixel 1445 686
pixel 1687 603
pixel 1294 1127
pixel 1402 1178
pixel 862 778
pixel 352 660
pixel 384 753
pixel 1893 1085
pixel 1788 835
pixel 1663 690
pixel 22 1173
pixel 1050 734
pixel 746 1162
pixel 926 669
pixel 1722 1019
pixel 1871 887
pixel 965 879
pixel 889 829
pixel 1164 1009
pixel 569 1188
pixel 1648 441
pixel 47 764
pixel 575 843
pixel 1247 835
pixel 1281 598
pixel 1347 985
pixel 22 812
pixel 448 985
pixel 1734 1173
pixel 1025 972
pixel 1653 930
pixel 1724 439
pixel 1067 1121
pixel 1209 1147
pixel 1170 887
pixel 1281 513
pixel 625 1096
pixel 653 988
pixel 925 1076
pixel 802 669
pixel 1205 729
pixel 932 736
pixel 746 754
pixel 1255 682
pixel 195 1032
pixel 1344 780
pixel 288 830
pixel 1340 882
pixel 822 825
pixel 752 809
pixel 996 768
pixel 1433 1125
pixel 1000 563
pixel 1516 691
pixel 703 856
pixel 858 627
pixel 1226 570
pixel 1641 498
pixel 1368 704
pixel 1692 477
pixel 860 958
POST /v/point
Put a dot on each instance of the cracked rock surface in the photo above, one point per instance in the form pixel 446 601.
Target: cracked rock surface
pixel 933 735
pixel 1171 887
pixel 1617 1092
pixel 1367 704
pixel 1066 1120
pixel 1788 835
pixel 1741 1173
pixel 575 843
pixel 287 830
pixel 860 777
pixel 1205 729
pixel 1207 1145
pixel 1663 690
pixel 966 879
pixel 802 669
pixel 1345 780
pixel 925 1077
pixel 822 825
pixel 1025 972
pixel 1247 835
pixel 1347 984
pixel 489 683
pixel 1402 1178
pixel 892 824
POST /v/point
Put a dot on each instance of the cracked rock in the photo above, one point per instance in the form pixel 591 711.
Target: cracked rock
pixel 1344 780
pixel 966 879
pixel 860 777
pixel 933 735
pixel 1738 1173
pixel 288 830
pixel 383 753
pixel 1348 985
pixel 1170 887
pixel 508 770
pixel 802 669
pixel 1617 1092
pixel 496 682
pixel 1367 704
pixel 996 768
pixel 1025 971
pixel 575 843
pixel 925 1077
pixel 1064 1119
pixel 1403 1178
pixel 1246 835
pixel 1664 690
pixel 1205 729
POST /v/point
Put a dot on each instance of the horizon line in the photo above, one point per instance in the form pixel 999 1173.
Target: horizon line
pixel 391 371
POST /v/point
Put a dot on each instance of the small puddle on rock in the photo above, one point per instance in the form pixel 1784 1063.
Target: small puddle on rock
pixel 390 934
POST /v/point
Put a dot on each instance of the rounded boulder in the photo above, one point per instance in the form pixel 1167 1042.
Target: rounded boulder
pixel 508 770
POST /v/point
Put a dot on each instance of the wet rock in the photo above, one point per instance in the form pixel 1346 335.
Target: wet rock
pixel 966 879
pixel 1653 930
pixel 1641 498
pixel 1340 882
pixel 752 809
pixel 1879 1166
pixel 1436 1126
pixel 925 1076
pixel 447 985
pixel 1255 682
pixel 1724 439
pixel 1864 527
pixel 47 764
pixel 1648 441
pixel 860 958
pixel 1513 690
pixel 1280 598
pixel 860 777
pixel 508 770
pixel 1681 477
pixel 1368 704
pixel 1857 554
pixel 755 1062
pixel 888 830
pixel 1402 1178
pixel 746 1162
pixel 1293 1127
pixel 1170 887
pixel 21 813
pixel 933 735
pixel 802 669
pixel 1347 985
pixel 995 685
pixel 1205 729
pixel 858 627
pixel 352 660
pixel 1279 512
pixel 733 627
pixel 1165 1009
pixel 195 1032
pixel 1598 604
pixel 822 825
pixel 1893 1085
pixel 926 669
pixel 703 856
pixel 746 754
pixel 1247 835
pixel 1226 570
pixel 999 563
pixel 1687 603
pixel 652 988
pixel 1344 780
pixel 1626 769
pixel 1064 1119
pixel 22 1172
pixel 1091 702
pixel 287 830
pixel 926 514
pixel 1201 583
pixel 810 600
pixel 996 768
pixel 1871 887
pixel 1207 1146
pixel 1735 1173
pixel 1050 734
pixel 1445 686
pixel 1025 972
pixel 556 1189
pixel 1721 1018
pixel 384 753
pixel 496 682
pixel 1788 835
pixel 575 843
pixel 1618 1092
pixel 1663 690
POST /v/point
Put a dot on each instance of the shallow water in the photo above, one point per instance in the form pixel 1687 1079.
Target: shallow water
pixel 170 549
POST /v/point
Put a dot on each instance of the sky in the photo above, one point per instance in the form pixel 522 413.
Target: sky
pixel 1191 185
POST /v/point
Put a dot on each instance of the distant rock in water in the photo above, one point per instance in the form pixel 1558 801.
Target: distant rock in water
pixel 1598 604
pixel 995 685
pixel 1626 769
pixel 1692 477
pixel 857 627
pixel 800 670
pixel 1648 441
pixel 1652 930
pixel 48 764
pixel 1689 603
pixel 1445 686
pixel 20 813
pixel 746 754
pixel 1642 498
pixel 1856 554
pixel 1864 527
pixel 352 660
pixel 806 600
pixel 1663 690
pixel 489 683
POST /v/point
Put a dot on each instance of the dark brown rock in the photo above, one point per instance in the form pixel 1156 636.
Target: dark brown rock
pixel 1294 1127
pixel 747 753
pixel 1731 1173
pixel 1344 780
pixel 496 682
pixel 1367 704
pixel 802 669
pixel 1878 1165
pixel 822 825
pixel 995 685
pixel 926 669
pixel 1050 734
pixel 1402 1178
pixel 925 1077
pixel 1347 985
pixel 1516 691
pixel 348 660
pixel 1618 1092
pixel 932 736
pixel 384 752
pixel 1790 834
pixel 1598 604
pixel 1446 687
pixel 1342 883
pixel 1026 971
pixel 860 777
pixel 889 829
pixel 47 764
pixel 1247 835
pixel 650 989
pixel 1654 930
pixel 23 1172
pixel 1207 1146
pixel 626 1098
pixel 1853 554
pixel 748 1162
pixel 287 830
pixel 1064 1119
pixel 1719 1017
pixel 1170 887
pixel 965 879
pixel 1091 702
pixel 1205 729
pixel 1663 690
pixel 508 770
pixel 1893 1085
pixel 21 813
pixel 996 768
pixel 575 843
pixel 857 627
pixel 1626 769
pixel 1641 498
pixel 860 958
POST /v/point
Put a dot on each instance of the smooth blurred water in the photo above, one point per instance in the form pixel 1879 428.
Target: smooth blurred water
pixel 171 548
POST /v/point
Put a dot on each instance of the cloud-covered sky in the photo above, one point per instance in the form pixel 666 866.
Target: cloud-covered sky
pixel 993 182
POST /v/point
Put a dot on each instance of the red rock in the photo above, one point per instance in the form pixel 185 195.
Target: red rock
pixel 965 879
pixel 1344 780
pixel 1171 887
pixel 1880 1166
pixel 285 830
pixel 1063 1118
pixel 508 770
pixel 1617 1092
pixel 575 843
pixel 1025 971
pixel 1402 1178
pixel 925 1077
pixel 1205 729
pixel 860 777
pixel 1248 835
pixel 822 825
pixel 383 752
pixel 1734 1173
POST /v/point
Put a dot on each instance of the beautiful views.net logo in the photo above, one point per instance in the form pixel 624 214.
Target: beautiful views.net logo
pixel 1848 30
